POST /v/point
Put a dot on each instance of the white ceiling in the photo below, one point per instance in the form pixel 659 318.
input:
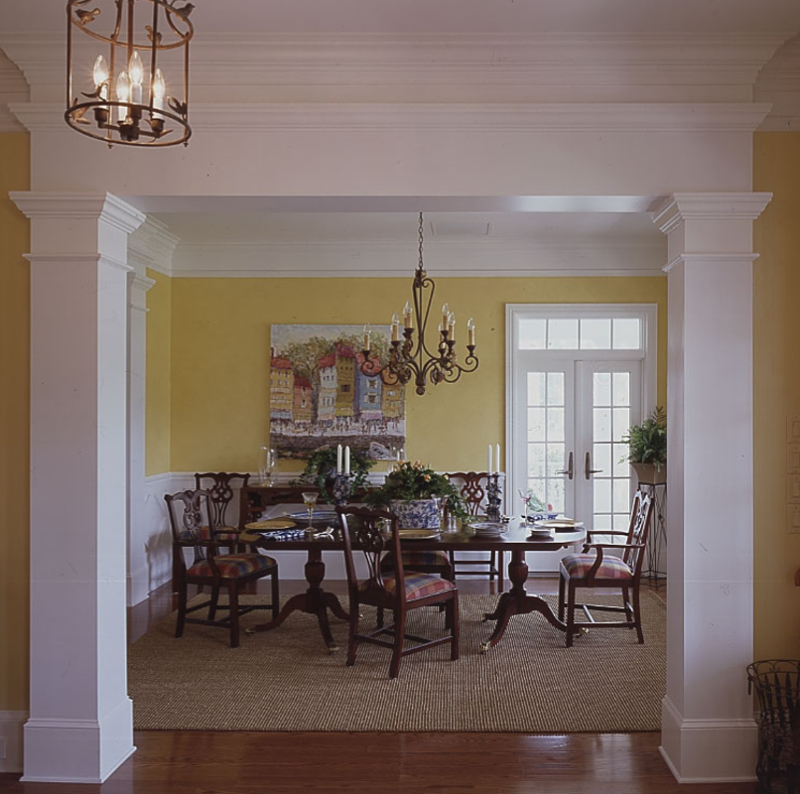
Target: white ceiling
pixel 283 227
pixel 436 16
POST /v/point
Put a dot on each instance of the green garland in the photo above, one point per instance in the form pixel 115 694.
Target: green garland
pixel 321 465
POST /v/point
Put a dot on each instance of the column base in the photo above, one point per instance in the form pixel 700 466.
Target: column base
pixel 708 751
pixel 78 751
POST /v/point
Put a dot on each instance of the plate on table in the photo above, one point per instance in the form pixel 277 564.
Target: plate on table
pixel 319 515
pixel 418 534
pixel 270 524
pixel 560 524
pixel 535 533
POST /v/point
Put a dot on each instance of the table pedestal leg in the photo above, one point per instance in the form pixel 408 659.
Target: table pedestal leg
pixel 517 601
pixel 315 601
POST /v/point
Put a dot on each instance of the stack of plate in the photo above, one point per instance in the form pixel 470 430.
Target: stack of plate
pixel 488 529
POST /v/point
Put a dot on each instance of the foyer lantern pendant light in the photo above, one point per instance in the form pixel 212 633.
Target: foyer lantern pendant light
pixel 410 358
pixel 124 70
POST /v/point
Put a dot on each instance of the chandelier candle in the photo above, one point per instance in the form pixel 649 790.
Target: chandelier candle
pixel 412 359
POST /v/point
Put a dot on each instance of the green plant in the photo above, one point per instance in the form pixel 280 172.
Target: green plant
pixel 410 481
pixel 321 466
pixel 647 442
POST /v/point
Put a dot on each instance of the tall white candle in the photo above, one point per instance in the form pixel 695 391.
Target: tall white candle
pixel 489 460
pixel 497 465
pixel 347 461
pixel 339 459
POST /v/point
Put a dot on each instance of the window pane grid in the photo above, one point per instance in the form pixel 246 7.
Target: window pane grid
pixel 573 333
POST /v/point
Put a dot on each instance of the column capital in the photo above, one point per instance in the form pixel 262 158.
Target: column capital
pixel 79 206
pixel 152 246
pixel 139 287
pixel 681 207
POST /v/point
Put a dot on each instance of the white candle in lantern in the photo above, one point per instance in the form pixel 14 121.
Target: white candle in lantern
pixel 159 90
pixel 123 94
pixel 136 72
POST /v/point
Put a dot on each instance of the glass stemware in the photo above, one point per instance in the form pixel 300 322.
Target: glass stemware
pixel 309 500
pixel 267 460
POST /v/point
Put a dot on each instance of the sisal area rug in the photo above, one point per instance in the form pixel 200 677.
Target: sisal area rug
pixel 285 680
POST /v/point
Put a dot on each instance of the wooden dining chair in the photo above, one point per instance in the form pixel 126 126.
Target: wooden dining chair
pixel 189 512
pixel 472 485
pixel 398 590
pixel 594 568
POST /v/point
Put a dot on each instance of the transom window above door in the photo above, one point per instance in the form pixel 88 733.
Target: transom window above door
pixel 580 333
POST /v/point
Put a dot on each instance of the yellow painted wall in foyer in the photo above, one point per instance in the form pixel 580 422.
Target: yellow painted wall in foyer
pixel 14 424
pixel 220 349
pixel 776 391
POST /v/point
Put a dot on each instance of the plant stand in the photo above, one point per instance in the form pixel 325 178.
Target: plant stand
pixel 656 570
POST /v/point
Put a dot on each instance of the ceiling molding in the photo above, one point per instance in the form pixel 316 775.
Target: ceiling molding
pixel 364 59
pixel 779 84
pixel 680 207
pixel 455 117
pixel 13 90
pixel 397 259
pixel 152 246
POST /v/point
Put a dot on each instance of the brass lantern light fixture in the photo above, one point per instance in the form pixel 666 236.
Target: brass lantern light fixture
pixel 411 358
pixel 128 89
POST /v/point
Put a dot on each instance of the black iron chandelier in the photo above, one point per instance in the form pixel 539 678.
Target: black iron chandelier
pixel 413 359
pixel 131 102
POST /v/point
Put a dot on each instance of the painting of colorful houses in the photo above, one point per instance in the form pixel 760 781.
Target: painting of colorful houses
pixel 318 395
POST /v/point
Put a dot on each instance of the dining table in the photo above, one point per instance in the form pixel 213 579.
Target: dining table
pixel 315 540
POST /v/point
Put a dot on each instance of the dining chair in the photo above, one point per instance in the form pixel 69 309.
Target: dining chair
pixel 188 513
pixel 594 568
pixel 398 590
pixel 472 486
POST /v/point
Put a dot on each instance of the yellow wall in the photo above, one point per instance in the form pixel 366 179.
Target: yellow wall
pixel 776 347
pixel 159 382
pixel 220 337
pixel 14 423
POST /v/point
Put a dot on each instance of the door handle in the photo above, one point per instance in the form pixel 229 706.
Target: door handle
pixel 568 470
pixel 587 468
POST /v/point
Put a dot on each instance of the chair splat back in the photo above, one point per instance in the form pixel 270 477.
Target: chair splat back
pixel 472 485
pixel 639 529
pixel 220 492
pixel 187 526
pixel 365 528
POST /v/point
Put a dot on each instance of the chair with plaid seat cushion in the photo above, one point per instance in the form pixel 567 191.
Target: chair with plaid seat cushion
pixel 423 561
pixel 395 590
pixel 190 516
pixel 594 568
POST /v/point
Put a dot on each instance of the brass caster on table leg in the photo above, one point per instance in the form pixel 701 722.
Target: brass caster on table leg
pixel 250 631
pixel 332 649
pixel 485 646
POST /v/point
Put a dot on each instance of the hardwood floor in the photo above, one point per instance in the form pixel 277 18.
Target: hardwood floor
pixel 184 762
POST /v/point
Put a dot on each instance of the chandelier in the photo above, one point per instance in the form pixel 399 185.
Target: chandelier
pixel 127 98
pixel 413 359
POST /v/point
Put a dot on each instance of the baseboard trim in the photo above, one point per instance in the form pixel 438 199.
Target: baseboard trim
pixel 708 750
pixel 11 730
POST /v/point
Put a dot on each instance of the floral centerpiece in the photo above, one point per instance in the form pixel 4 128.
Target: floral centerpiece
pixel 320 471
pixel 411 492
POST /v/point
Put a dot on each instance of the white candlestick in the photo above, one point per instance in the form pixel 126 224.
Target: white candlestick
pixel 497 466
pixel 339 459
pixel 489 460
pixel 347 461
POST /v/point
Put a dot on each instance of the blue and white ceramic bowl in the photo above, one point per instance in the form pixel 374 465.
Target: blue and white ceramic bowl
pixel 416 514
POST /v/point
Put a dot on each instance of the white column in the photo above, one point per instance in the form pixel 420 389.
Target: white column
pixel 708 732
pixel 150 246
pixel 80 727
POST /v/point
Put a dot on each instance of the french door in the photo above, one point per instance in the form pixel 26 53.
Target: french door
pixel 569 410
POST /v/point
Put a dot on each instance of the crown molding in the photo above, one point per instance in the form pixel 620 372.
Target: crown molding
pixel 680 207
pixel 395 259
pixel 779 84
pixel 613 59
pixel 455 117
pixel 79 206
pixel 152 246
pixel 13 89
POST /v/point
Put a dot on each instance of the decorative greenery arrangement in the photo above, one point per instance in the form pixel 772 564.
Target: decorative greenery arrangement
pixel 411 481
pixel 647 442
pixel 321 468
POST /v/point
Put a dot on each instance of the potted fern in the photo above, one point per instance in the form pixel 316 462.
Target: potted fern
pixel 647 448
